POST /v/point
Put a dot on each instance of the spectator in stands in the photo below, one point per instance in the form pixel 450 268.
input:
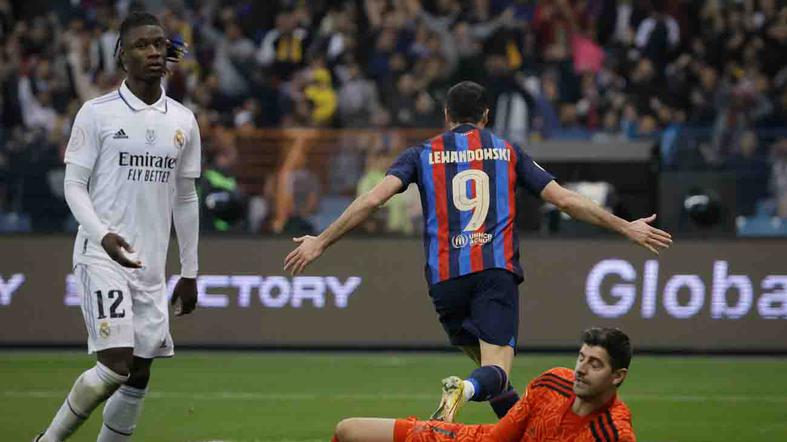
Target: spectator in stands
pixel 233 57
pixel 296 109
pixel 780 108
pixel 431 77
pixel 658 36
pixel 248 116
pixel 380 58
pixel 283 50
pixel 705 96
pixel 629 122
pixel 320 95
pixel 6 18
pixel 674 121
pixel 359 103
pixel 553 24
pixel 779 176
pixel 426 112
pixel 751 173
pixel 376 166
pixel 469 52
pixel 297 193
pixel 403 101
pixel 546 121
pixel 332 36
pixel 395 216
pixel 742 106
pixel 33 156
pixel 223 204
pixel 37 110
pixel 510 103
pixel 643 85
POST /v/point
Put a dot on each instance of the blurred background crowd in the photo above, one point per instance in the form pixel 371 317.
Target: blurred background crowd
pixel 703 81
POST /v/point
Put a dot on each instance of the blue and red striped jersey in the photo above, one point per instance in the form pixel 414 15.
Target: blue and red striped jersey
pixel 467 178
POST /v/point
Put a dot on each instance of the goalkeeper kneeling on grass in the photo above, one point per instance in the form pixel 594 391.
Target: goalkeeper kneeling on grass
pixel 560 405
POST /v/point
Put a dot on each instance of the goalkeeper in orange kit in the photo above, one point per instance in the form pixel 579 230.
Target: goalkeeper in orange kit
pixel 559 405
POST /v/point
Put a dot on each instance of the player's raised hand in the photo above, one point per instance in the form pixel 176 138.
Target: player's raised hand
pixel 641 232
pixel 114 245
pixel 184 297
pixel 309 249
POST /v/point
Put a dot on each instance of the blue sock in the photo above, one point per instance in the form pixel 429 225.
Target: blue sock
pixel 488 381
pixel 504 401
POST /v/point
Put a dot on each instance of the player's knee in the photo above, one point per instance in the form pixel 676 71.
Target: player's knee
pixel 93 389
pixel 347 430
pixel 99 391
pixel 139 377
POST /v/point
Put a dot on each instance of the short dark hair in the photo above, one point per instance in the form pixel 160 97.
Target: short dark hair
pixel 466 102
pixel 614 341
pixel 134 19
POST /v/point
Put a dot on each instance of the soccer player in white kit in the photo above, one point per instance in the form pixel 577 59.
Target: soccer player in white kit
pixel 131 164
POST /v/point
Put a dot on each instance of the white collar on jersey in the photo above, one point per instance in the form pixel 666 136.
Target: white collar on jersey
pixel 137 105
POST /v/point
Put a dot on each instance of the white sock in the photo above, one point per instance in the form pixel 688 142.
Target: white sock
pixel 469 389
pixel 90 389
pixel 121 414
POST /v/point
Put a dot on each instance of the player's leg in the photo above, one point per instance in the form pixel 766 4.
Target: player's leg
pixel 152 339
pixel 359 429
pixel 451 300
pixel 500 356
pixel 108 318
pixel 488 336
pixel 497 356
pixel 365 429
pixel 124 407
pixel 495 317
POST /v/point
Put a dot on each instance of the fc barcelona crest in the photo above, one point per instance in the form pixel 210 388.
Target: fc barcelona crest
pixel 150 136
pixel 180 139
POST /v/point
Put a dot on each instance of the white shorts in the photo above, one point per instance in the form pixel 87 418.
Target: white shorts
pixel 118 313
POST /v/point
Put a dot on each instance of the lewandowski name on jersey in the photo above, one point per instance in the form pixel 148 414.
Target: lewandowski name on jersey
pixel 468 156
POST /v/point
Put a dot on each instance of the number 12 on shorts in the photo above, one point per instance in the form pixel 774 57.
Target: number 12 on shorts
pixel 115 295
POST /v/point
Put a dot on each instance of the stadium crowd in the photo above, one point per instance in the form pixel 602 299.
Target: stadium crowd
pixel 705 79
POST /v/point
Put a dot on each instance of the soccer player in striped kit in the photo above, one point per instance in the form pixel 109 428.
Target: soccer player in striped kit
pixel 467 178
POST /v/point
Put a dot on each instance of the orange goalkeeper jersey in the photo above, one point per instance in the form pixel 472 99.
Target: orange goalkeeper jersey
pixel 542 414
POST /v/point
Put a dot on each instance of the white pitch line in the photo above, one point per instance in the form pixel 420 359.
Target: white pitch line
pixel 241 396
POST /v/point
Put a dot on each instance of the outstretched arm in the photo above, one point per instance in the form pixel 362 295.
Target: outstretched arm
pixel 311 247
pixel 579 207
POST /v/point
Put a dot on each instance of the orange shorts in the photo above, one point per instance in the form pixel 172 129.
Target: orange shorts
pixel 413 430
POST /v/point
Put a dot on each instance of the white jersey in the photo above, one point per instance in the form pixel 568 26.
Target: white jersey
pixel 135 151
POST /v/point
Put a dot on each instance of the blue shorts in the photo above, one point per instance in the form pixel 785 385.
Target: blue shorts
pixel 482 305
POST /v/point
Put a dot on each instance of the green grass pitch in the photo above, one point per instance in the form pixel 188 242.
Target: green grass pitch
pixel 289 397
